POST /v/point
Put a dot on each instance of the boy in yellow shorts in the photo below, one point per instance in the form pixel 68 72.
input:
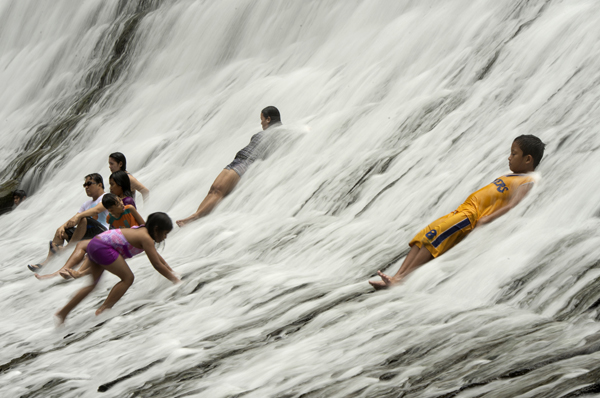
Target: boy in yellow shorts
pixel 481 207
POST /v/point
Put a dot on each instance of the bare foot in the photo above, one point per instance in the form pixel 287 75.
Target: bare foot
pixel 181 223
pixel 101 310
pixel 42 277
pixel 385 282
pixel 58 320
pixel 378 285
pixel 66 273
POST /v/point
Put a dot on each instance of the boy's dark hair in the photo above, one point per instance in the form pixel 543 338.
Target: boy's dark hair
pixel 109 200
pixel 119 158
pixel 97 178
pixel 19 193
pixel 158 222
pixel 122 179
pixel 531 145
pixel 271 112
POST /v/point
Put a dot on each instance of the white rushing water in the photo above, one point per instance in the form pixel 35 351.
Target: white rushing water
pixel 396 111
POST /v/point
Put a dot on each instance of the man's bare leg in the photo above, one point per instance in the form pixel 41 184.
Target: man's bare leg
pixel 416 257
pixel 223 185
pixel 80 231
pixel 56 244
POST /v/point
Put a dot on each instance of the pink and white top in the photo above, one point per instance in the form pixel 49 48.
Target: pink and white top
pixel 115 239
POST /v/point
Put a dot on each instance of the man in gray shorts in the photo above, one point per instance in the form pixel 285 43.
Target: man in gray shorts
pixel 230 176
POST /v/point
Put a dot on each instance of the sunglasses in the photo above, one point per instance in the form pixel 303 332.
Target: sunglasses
pixel 88 183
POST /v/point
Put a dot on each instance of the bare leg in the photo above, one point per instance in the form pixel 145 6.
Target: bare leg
pixel 79 233
pixel 75 259
pixel 60 237
pixel 83 271
pixel 120 269
pixel 223 185
pixel 97 271
pixel 416 257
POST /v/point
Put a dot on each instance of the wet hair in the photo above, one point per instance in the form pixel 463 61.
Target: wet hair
pixel 109 200
pixel 122 179
pixel 531 145
pixel 97 178
pixel 19 193
pixel 158 221
pixel 273 113
pixel 119 158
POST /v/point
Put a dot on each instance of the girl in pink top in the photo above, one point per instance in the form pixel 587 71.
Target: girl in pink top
pixel 109 250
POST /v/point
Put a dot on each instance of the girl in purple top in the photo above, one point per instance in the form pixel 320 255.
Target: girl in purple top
pixel 121 186
pixel 109 250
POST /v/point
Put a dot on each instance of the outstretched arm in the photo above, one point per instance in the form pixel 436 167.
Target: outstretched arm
pixel 138 186
pixel 157 261
pixel 521 192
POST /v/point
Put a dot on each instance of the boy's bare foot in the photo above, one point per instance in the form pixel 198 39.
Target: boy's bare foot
pixel 47 276
pixel 66 273
pixel 386 281
pixel 378 285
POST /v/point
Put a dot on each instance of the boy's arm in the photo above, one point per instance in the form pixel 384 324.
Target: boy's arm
pixel 155 260
pixel 99 208
pixel 522 191
pixel 138 218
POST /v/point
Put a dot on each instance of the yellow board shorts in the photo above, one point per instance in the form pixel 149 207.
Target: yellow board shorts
pixel 442 234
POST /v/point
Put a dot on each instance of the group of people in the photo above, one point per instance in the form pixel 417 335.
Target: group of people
pixel 108 229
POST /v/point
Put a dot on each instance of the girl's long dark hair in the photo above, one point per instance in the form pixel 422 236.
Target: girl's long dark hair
pixel 122 179
pixel 119 158
pixel 158 222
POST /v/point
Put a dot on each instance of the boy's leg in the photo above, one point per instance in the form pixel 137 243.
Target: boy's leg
pixel 75 258
pixel 81 294
pixel 83 271
pixel 120 269
pixel 415 258
pixel 422 256
pixel 435 239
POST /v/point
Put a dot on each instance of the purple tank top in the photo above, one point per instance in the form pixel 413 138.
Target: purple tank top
pixel 115 239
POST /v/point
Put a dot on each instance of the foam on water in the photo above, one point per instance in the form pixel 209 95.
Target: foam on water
pixel 394 111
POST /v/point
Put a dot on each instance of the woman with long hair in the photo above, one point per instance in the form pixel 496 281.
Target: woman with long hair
pixel 116 162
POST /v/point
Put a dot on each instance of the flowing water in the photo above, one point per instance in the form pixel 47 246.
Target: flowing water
pixel 393 112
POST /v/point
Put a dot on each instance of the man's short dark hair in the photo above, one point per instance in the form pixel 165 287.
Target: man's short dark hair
pixel 531 145
pixel 19 193
pixel 109 200
pixel 97 178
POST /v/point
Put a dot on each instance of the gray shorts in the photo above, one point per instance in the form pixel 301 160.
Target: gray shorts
pixel 239 166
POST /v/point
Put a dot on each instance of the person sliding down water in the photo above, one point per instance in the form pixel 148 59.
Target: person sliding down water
pixel 481 207
pixel 109 250
pixel 230 176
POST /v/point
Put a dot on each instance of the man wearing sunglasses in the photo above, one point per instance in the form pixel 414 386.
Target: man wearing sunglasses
pixel 89 221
